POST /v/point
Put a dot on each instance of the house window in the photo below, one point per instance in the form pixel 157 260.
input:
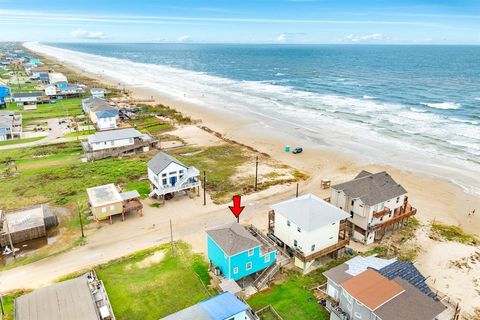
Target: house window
pixel 353 202
pixel 351 213
pixel 164 181
pixel 313 247
pixel 112 207
pixel 104 209
pixel 235 270
pixel 295 243
pixel 250 252
pixel 267 258
pixel 288 223
pixel 298 229
pixel 164 175
pixel 398 199
pixel 248 266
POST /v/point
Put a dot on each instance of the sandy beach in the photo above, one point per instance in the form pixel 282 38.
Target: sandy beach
pixel 436 199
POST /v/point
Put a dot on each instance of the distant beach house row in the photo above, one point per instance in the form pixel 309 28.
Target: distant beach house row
pixel 10 125
pixel 111 143
pixel 310 228
pixel 237 253
pixel 379 289
pixel 167 175
pixel 374 202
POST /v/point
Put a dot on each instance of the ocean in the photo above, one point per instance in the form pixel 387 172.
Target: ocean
pixel 411 106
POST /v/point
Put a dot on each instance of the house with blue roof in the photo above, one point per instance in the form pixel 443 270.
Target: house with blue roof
pixel 237 253
pixel 4 93
pixel 224 306
pixel 103 115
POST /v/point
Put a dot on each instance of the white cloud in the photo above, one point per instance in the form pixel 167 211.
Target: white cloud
pixel 282 37
pixel 84 34
pixel 184 38
pixel 365 38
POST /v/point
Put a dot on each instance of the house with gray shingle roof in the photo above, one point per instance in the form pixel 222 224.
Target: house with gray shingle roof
pixel 168 175
pixel 375 203
pixel 236 252
pixel 103 115
pixel 376 288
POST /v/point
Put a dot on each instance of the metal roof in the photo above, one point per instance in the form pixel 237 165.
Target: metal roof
pixel 371 188
pixel 109 135
pixel 233 238
pixel 130 195
pixel 220 307
pixel 27 94
pixel 103 195
pixel 161 160
pixel 309 212
pixel 408 272
pixel 69 299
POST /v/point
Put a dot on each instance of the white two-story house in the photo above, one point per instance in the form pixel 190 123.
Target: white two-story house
pixel 103 115
pixel 311 227
pixel 374 202
pixel 167 175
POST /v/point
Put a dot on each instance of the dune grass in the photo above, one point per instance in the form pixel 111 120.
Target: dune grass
pixel 150 124
pixel 138 290
pixel 220 163
pixel 453 233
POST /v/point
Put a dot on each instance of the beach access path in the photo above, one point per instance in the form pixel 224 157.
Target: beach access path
pixel 189 218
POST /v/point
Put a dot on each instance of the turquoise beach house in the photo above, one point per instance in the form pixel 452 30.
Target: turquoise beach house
pixel 236 252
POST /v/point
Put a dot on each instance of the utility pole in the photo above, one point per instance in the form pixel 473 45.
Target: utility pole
pixel 171 238
pixel 296 194
pixel 204 188
pixel 80 218
pixel 256 174
pixel 1 305
pixel 9 234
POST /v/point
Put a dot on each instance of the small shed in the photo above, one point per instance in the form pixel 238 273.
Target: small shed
pixel 26 224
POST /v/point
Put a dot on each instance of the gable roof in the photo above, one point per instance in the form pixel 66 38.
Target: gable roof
pixel 408 272
pixel 27 94
pixel 64 300
pixel 233 238
pixel 220 307
pixel 161 160
pixel 371 188
pixel 411 304
pixel 109 135
pixel 309 212
pixel 372 289
pixel 100 105
pixel 111 113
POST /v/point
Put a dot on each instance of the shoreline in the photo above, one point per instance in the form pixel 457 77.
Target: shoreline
pixel 435 198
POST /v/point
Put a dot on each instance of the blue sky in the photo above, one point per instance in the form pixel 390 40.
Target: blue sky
pixel 243 21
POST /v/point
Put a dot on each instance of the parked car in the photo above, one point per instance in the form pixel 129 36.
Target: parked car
pixel 297 150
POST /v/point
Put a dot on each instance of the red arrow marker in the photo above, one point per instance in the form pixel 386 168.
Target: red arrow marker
pixel 236 208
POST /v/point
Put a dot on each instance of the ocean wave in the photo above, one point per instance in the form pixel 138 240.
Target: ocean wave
pixel 442 105
pixel 353 123
pixel 463 120
pixel 369 97
pixel 279 74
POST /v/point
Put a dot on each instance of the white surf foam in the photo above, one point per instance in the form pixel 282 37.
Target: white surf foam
pixel 442 105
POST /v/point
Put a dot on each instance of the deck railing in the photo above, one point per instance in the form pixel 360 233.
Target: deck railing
pixel 339 245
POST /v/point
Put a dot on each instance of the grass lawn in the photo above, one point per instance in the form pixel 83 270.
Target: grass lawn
pixel 62 108
pixel 143 187
pixel 220 163
pixel 292 298
pixel 18 141
pixel 54 173
pixel 140 287
pixel 150 124
pixel 8 305
pixel 23 87
pixel 79 133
